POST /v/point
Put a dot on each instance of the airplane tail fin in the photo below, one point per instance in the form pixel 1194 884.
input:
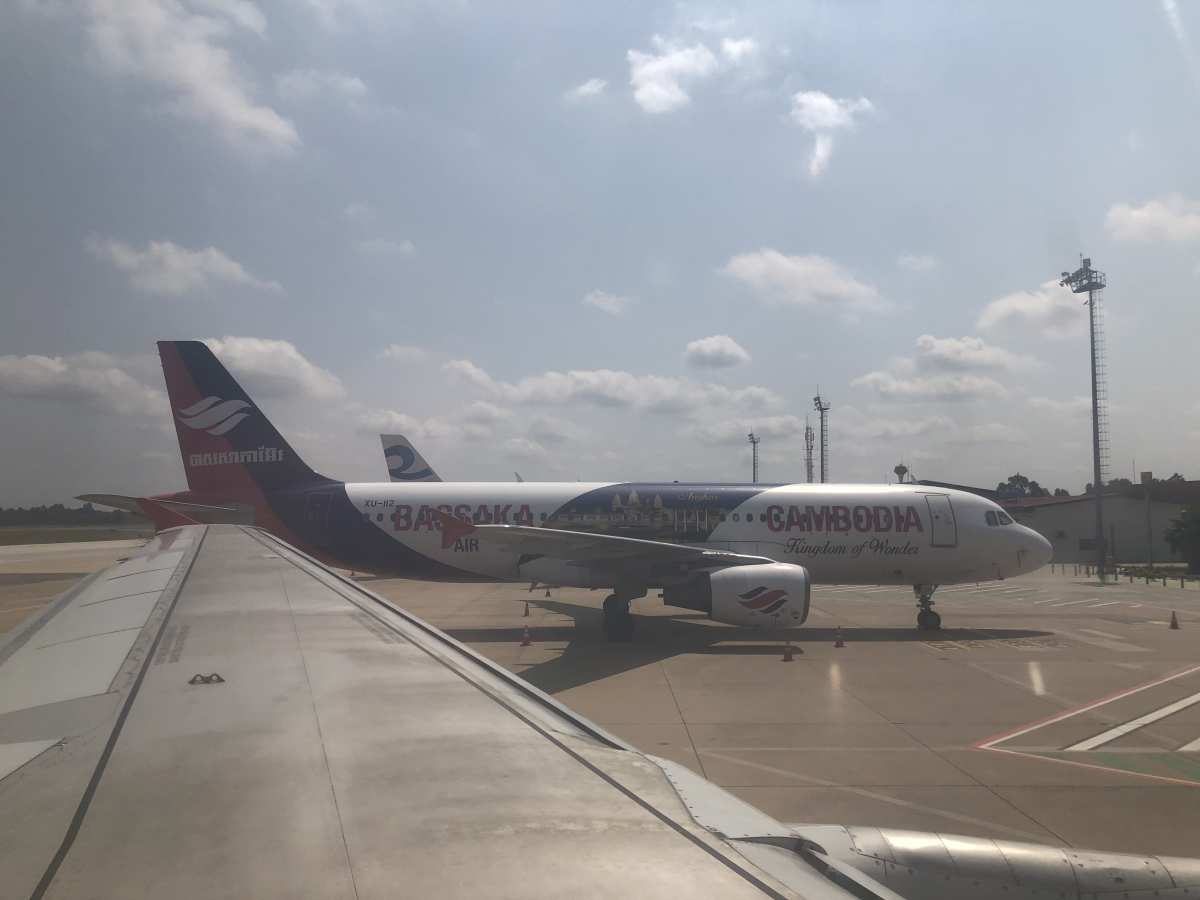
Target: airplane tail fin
pixel 404 461
pixel 230 449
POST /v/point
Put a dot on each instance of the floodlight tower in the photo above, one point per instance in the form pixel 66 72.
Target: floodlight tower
pixel 1086 280
pixel 823 408
pixel 754 439
pixel 809 438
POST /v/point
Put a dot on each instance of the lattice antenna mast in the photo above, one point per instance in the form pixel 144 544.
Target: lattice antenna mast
pixel 1086 280
pixel 809 438
pixel 753 439
pixel 823 408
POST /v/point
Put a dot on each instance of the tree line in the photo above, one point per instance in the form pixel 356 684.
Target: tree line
pixel 57 514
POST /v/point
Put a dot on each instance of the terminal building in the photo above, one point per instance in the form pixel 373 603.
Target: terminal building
pixel 1136 524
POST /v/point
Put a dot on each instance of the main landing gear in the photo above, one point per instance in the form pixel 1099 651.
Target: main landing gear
pixel 618 620
pixel 927 619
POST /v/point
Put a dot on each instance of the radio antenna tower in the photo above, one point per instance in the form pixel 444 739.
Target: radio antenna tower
pixel 809 438
pixel 823 408
pixel 1086 280
pixel 754 439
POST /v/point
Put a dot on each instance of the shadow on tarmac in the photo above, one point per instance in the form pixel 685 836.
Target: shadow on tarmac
pixel 589 657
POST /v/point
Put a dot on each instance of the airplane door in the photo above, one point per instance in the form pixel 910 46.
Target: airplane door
pixel 944 530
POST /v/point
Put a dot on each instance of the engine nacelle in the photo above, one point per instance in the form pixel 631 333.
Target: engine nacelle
pixel 770 595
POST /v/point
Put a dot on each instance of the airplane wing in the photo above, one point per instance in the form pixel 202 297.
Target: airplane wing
pixel 220 715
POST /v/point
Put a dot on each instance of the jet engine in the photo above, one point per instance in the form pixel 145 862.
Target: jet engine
pixel 769 595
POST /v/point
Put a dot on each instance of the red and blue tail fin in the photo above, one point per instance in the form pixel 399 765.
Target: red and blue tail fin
pixel 230 449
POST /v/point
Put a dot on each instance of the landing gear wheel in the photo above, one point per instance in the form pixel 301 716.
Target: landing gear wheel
pixel 928 620
pixel 618 622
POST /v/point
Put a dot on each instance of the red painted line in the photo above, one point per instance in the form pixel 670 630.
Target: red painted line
pixel 986 743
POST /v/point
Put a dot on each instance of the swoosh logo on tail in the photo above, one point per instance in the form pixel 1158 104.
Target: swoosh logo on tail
pixel 214 415
pixel 400 459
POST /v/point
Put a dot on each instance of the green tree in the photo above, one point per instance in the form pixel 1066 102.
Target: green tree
pixel 1061 492
pixel 1020 486
pixel 1184 537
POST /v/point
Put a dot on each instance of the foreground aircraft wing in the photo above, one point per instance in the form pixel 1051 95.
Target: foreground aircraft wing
pixel 219 715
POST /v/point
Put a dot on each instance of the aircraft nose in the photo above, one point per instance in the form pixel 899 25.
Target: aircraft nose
pixel 1040 551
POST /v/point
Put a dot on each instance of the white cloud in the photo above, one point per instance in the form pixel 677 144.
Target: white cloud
pixel 715 352
pixel 863 427
pixel 162 42
pixel 916 262
pixel 593 87
pixel 90 379
pixel 822 115
pixel 734 431
pixel 302 85
pixel 166 268
pixel 1171 218
pixel 359 212
pixel 387 247
pixel 658 78
pixel 931 387
pixel 275 367
pixel 606 387
pixel 801 280
pixel 404 353
pixel 965 353
pixel 739 50
pixel 1050 311
pixel 609 303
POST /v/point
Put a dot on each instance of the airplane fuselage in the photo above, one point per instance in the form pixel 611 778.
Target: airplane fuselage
pixel 876 534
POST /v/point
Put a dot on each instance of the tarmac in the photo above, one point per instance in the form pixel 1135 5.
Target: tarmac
pixel 1049 708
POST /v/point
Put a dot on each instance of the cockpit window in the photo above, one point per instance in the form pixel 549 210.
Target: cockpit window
pixel 990 515
pixel 1005 518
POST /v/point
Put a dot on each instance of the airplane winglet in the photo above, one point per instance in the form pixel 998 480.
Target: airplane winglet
pixel 162 517
pixel 452 528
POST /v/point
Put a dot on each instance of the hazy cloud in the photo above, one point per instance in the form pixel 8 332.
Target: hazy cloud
pixel 808 280
pixel 1051 310
pixel 931 387
pixel 1074 406
pixel 166 268
pixel 379 246
pixel 608 303
pixel 966 353
pixel 161 42
pixel 734 431
pixel 605 387
pixel 274 367
pixel 89 379
pixel 822 115
pixel 1171 218
pixel 593 87
pixel 716 352
pixel 658 78
pixel 404 353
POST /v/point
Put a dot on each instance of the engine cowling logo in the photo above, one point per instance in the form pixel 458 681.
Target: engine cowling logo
pixel 763 599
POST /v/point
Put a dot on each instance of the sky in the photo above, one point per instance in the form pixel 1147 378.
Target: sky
pixel 602 242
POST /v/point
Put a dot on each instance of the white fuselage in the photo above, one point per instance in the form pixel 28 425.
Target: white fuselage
pixel 867 534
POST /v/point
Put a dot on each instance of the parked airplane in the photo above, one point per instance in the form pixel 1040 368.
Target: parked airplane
pixel 742 553
pixel 221 716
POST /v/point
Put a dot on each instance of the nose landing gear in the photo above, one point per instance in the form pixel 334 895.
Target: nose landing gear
pixel 927 619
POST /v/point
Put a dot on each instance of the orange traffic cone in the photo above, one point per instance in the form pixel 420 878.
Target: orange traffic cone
pixel 525 641
pixel 1174 626
pixel 838 642
pixel 526 613
pixel 787 652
